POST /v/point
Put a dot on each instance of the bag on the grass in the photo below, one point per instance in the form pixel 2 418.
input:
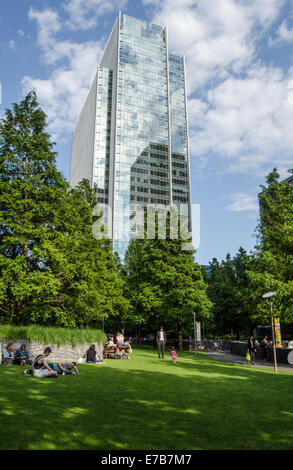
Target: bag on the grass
pixel 248 357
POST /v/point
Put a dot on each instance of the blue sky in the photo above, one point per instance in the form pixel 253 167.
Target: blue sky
pixel 240 90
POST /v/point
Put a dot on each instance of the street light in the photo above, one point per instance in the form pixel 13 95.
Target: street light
pixel 194 332
pixel 268 296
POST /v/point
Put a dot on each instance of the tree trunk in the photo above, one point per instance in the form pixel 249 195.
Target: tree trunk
pixel 180 342
pixel 138 335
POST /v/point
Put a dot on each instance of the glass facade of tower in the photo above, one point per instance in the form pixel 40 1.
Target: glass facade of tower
pixel 140 149
pixel 103 132
pixel 142 120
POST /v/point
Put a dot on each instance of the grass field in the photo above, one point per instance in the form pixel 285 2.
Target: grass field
pixel 147 403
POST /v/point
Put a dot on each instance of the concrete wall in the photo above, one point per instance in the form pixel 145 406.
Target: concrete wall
pixel 64 353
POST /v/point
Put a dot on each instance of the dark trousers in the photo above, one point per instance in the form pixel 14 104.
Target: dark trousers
pixel 252 356
pixel 22 361
pixel 161 348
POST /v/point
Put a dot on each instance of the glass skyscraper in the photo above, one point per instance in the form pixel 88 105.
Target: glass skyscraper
pixel 131 138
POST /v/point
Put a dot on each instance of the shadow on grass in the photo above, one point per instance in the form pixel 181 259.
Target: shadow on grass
pixel 144 403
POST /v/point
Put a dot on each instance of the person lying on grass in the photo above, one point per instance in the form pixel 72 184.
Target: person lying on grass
pixel 65 368
pixel 41 367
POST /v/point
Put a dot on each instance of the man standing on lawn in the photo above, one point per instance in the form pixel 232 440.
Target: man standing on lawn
pixel 161 341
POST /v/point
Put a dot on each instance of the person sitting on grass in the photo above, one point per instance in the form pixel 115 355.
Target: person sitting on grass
pixel 120 339
pixel 174 355
pixel 41 367
pixel 21 356
pixel 65 368
pixel 92 356
pixel 8 354
pixel 110 343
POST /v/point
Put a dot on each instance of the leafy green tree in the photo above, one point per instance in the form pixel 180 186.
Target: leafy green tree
pixel 91 289
pixel 272 266
pixel 165 285
pixel 31 192
pixel 53 270
pixel 229 291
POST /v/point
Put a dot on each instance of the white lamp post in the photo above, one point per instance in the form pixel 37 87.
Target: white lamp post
pixel 268 296
pixel 194 332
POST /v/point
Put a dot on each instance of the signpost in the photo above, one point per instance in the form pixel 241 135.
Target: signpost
pixel 194 332
pixel 278 333
pixel 198 332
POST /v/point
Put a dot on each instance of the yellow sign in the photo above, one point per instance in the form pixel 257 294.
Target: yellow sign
pixel 278 333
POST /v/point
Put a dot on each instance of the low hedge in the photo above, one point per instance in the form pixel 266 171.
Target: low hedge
pixel 51 335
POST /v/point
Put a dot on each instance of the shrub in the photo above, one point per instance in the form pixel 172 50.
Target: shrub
pixel 50 335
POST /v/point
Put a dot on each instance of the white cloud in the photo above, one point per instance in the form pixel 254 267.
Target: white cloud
pixel 48 25
pixel 12 45
pixel 63 93
pixel 245 122
pixel 242 202
pixel 239 109
pixel 86 14
pixel 283 35
pixel 217 36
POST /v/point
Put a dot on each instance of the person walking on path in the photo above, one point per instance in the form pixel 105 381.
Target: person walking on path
pixel 265 347
pixel 161 342
pixel 251 349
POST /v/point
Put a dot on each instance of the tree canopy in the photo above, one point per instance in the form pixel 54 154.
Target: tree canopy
pixel 53 271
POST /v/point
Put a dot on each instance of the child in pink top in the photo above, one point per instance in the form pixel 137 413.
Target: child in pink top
pixel 174 355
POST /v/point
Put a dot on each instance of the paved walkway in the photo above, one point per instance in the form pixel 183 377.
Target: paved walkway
pixel 226 356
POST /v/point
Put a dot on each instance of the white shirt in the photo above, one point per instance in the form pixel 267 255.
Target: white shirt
pixel 161 336
pixel 7 354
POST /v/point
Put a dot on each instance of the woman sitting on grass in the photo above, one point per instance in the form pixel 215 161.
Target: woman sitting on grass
pixel 110 346
pixel 21 356
pixel 40 366
pixel 8 354
pixel 91 355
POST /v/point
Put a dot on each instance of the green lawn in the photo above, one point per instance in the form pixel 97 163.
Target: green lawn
pixel 147 403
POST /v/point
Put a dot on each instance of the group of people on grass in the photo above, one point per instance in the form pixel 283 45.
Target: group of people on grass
pixel 118 348
pixel 20 356
pixel 40 366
